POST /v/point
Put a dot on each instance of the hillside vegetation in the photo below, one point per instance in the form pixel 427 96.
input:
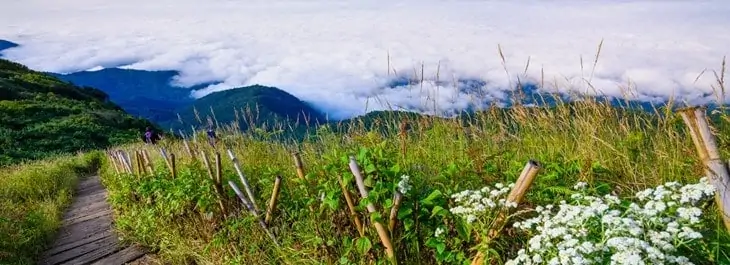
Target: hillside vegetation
pixel 42 116
pixel 595 160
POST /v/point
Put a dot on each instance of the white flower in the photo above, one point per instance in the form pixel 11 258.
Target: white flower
pixel 403 185
pixel 580 186
pixel 438 232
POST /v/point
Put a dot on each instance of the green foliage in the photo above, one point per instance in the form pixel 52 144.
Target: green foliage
pixel 41 116
pixel 32 200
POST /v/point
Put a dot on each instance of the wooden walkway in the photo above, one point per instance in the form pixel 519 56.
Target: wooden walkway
pixel 87 236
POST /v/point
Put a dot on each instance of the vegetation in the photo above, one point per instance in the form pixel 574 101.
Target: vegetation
pixel 246 107
pixel 42 116
pixel 430 161
pixel 32 200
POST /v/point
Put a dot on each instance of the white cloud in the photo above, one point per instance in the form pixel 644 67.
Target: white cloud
pixel 333 53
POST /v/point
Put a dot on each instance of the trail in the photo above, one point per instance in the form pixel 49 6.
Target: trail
pixel 87 236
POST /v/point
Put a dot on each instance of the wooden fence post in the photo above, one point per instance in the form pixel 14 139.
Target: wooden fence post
pixel 515 196
pixel 382 231
pixel 272 202
pixel 715 168
pixel 246 186
pixel 351 206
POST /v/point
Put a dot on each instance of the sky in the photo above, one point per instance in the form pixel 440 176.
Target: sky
pixel 341 55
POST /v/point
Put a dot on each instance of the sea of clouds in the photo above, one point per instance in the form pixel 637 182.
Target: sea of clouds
pixel 334 54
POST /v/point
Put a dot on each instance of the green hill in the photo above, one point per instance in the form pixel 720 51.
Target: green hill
pixel 41 116
pixel 253 105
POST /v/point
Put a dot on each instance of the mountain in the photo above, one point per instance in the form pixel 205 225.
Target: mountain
pixel 148 94
pixel 251 105
pixel 4 45
pixel 41 115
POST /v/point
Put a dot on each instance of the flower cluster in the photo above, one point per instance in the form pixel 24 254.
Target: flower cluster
pixel 599 230
pixel 472 204
pixel 403 185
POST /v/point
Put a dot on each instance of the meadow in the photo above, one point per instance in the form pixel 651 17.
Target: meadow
pixel 612 185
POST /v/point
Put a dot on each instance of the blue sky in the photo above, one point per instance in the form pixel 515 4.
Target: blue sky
pixel 335 53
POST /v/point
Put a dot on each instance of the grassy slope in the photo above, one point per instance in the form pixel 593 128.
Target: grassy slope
pixel 32 200
pixel 42 116
pixel 614 150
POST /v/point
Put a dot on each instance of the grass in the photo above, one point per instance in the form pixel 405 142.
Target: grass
pixel 33 197
pixel 615 150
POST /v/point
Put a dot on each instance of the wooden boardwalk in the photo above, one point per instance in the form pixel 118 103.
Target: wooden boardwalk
pixel 87 236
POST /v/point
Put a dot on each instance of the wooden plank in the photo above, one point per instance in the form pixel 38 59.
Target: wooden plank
pixel 75 243
pixel 94 207
pixel 81 252
pixel 124 256
pixel 83 230
pixel 96 254
pixel 87 217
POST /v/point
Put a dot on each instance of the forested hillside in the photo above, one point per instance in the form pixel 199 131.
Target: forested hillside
pixel 41 115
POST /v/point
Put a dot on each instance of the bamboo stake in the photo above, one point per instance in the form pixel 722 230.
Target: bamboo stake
pixel 715 169
pixel 188 149
pixel 167 160
pixel 251 209
pixel 148 161
pixel 173 169
pixel 111 159
pixel 397 200
pixel 272 201
pixel 299 165
pixel 351 206
pixel 138 163
pixel 382 231
pixel 215 186
pixel 515 196
pixel 246 186
pixel 125 163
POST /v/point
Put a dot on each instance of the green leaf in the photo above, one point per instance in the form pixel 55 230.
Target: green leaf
pixel 363 245
pixel 369 168
pixel 404 211
pixel 431 197
pixel 438 210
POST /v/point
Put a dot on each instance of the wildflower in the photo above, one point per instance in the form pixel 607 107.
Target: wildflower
pixel 403 185
pixel 580 186
pixel 438 232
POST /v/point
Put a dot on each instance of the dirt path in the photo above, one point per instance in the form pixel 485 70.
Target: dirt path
pixel 86 235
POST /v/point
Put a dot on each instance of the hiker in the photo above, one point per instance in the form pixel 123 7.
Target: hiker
pixel 150 137
pixel 212 139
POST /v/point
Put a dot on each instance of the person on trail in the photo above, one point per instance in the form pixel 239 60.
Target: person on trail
pixel 212 139
pixel 150 136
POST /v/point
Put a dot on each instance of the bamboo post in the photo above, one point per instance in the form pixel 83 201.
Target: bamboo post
pixel 299 165
pixel 515 196
pixel 167 160
pixel 382 231
pixel 188 149
pixel 217 187
pixel 715 169
pixel 137 164
pixel 397 200
pixel 125 163
pixel 246 186
pixel 113 162
pixel 351 206
pixel 272 201
pixel 148 161
pixel 173 169
pixel 251 209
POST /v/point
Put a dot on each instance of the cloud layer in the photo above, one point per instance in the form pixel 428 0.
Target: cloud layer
pixel 334 54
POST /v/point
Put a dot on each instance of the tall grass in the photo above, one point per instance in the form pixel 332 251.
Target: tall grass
pixel 33 197
pixel 617 150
